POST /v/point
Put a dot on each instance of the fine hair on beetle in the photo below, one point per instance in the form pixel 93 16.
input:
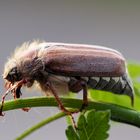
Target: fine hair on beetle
pixel 59 68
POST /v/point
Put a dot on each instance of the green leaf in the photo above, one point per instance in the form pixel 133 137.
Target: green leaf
pixel 93 125
pixel 71 133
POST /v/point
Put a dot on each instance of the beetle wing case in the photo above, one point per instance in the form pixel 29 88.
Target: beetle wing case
pixel 83 60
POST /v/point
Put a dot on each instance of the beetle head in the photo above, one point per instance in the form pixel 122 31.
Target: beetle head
pixel 13 75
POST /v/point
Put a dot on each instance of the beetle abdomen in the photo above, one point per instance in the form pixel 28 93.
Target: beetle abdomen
pixel 117 85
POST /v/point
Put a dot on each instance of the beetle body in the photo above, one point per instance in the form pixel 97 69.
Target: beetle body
pixel 68 66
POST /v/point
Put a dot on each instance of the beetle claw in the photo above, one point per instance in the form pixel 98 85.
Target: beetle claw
pixel 26 109
pixel 1 113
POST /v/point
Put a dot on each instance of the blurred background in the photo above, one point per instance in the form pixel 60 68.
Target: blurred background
pixel 111 23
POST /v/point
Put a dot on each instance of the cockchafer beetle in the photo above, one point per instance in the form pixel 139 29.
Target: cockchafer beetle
pixel 59 68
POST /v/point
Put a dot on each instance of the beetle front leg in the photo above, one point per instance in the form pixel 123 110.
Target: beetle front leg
pixel 61 106
pixel 49 85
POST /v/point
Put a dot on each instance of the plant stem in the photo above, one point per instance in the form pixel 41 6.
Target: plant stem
pixel 118 113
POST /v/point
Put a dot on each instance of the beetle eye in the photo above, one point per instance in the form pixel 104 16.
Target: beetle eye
pixel 14 75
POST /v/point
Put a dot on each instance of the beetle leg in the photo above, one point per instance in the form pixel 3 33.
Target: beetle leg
pixel 61 106
pixel 85 94
pixel 75 85
pixel 2 102
pixel 78 85
pixel 17 93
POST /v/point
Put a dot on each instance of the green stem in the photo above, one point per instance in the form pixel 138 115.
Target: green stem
pixel 118 113
pixel 40 124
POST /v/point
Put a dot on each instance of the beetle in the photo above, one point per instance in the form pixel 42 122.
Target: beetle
pixel 60 67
